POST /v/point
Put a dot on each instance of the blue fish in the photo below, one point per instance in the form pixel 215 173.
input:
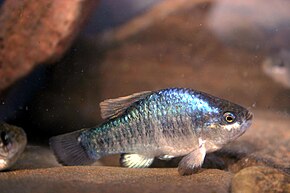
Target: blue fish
pixel 156 124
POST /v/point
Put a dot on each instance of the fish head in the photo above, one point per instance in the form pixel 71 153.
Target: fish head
pixel 12 143
pixel 227 123
pixel 277 67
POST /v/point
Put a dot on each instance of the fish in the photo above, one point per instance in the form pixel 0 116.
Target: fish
pixel 277 67
pixel 161 124
pixel 13 141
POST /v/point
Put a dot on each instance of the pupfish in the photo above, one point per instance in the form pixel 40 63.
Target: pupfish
pixel 159 124
pixel 277 66
pixel 12 144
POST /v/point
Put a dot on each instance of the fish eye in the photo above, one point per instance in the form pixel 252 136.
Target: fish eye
pixel 281 64
pixel 229 117
pixel 4 138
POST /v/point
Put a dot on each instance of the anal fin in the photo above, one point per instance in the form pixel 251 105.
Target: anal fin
pixel 135 161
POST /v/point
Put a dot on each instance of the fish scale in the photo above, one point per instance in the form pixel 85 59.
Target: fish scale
pixel 138 130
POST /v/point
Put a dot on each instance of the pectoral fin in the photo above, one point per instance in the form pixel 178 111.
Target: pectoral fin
pixel 192 162
pixel 135 161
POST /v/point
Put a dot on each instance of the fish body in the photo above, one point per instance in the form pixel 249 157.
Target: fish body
pixel 165 124
pixel 12 143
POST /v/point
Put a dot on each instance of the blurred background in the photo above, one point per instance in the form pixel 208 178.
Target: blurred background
pixel 237 50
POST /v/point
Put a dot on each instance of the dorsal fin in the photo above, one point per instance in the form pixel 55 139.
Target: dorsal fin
pixel 112 108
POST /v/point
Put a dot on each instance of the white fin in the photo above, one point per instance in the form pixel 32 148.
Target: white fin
pixel 135 161
pixel 111 108
pixel 166 157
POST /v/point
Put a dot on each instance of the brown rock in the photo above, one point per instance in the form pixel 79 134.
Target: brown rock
pixel 108 179
pixel 34 32
pixel 260 179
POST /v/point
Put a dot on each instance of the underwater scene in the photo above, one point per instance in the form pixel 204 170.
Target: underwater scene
pixel 145 96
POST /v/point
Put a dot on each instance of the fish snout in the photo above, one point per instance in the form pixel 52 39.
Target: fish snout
pixel 249 116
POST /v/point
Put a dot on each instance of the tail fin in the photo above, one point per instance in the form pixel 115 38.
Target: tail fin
pixel 69 151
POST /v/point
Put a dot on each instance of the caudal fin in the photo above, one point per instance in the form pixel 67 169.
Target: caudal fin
pixel 68 150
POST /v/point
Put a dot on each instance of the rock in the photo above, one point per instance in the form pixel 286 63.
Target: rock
pixel 260 179
pixel 109 179
pixel 35 33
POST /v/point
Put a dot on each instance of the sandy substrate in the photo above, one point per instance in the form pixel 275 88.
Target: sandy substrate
pixel 106 179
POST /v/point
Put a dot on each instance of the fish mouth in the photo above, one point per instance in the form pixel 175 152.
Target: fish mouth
pixel 249 116
pixel 246 123
pixel 3 155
